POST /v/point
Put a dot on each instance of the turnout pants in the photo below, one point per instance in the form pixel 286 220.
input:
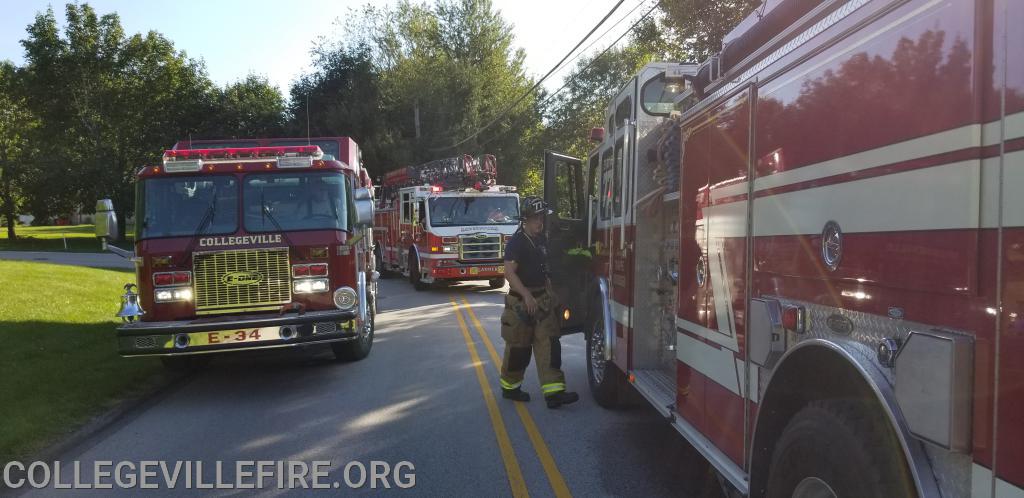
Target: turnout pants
pixel 538 335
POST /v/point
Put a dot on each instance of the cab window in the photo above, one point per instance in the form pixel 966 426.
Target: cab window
pixel 606 185
pixel 658 95
pixel 406 209
pixel 616 196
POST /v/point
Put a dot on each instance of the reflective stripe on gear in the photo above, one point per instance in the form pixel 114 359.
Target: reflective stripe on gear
pixel 510 385
pixel 552 388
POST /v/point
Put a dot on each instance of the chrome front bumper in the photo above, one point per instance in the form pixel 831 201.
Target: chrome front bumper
pixel 168 338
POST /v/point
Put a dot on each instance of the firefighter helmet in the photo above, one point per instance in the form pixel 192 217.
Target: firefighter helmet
pixel 533 206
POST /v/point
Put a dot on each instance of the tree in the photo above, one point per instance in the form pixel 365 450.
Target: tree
pixel 16 126
pixel 251 107
pixel 698 26
pixel 344 99
pixel 107 104
pixel 594 81
pixel 686 30
pixel 428 78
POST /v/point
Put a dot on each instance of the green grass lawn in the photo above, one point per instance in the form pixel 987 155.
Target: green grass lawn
pixel 79 238
pixel 58 359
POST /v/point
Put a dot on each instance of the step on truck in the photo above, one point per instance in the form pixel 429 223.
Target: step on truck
pixel 808 250
pixel 445 221
pixel 248 244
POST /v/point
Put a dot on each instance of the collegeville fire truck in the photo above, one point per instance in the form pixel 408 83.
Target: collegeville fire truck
pixel 249 244
pixel 808 250
pixel 445 221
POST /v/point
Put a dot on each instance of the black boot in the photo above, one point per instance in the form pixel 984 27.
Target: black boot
pixel 515 394
pixel 561 398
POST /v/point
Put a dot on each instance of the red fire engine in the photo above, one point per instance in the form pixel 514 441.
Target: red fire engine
pixel 808 251
pixel 249 244
pixel 445 221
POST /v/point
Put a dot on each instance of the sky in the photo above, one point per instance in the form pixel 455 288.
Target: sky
pixel 273 38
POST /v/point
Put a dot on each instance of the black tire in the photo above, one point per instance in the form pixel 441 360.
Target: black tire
pixel 414 273
pixel 496 283
pixel 842 447
pixel 359 348
pixel 378 262
pixel 184 364
pixel 608 385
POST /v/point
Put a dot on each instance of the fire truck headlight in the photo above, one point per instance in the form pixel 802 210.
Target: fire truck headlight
pixel 345 299
pixel 450 249
pixel 309 285
pixel 172 294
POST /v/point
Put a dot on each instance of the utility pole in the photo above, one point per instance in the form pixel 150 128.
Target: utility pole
pixel 416 117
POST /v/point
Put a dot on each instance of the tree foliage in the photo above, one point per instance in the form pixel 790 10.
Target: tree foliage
pixel 251 107
pixel 108 103
pixel 698 26
pixel 343 98
pixel 595 80
pixel 437 74
pixel 410 83
pixel 682 31
pixel 16 125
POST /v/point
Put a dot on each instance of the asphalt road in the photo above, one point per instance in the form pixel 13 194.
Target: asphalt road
pixel 417 398
pixel 93 259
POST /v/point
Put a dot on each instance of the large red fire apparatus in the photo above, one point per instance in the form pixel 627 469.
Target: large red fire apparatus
pixel 808 251
pixel 249 244
pixel 445 221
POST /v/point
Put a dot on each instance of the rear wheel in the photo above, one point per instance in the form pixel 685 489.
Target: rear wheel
pixel 607 383
pixel 415 278
pixel 359 347
pixel 496 283
pixel 834 449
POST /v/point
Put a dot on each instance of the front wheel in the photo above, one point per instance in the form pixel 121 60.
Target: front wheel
pixel 378 257
pixel 836 449
pixel 607 383
pixel 415 278
pixel 359 347
pixel 495 283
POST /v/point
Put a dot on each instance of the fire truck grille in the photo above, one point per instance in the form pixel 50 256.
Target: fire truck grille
pixel 145 342
pixel 480 247
pixel 228 280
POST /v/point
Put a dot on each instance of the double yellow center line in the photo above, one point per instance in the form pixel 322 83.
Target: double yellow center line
pixel 508 456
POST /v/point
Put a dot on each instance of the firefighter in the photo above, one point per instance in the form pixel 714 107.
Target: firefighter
pixel 529 324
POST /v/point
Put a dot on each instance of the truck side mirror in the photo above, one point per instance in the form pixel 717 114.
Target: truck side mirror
pixel 106 220
pixel 364 207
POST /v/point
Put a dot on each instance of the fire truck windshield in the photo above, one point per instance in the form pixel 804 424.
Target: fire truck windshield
pixel 295 201
pixel 175 207
pixel 458 211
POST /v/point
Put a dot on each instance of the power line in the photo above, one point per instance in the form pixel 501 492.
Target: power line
pixel 610 28
pixel 596 57
pixel 536 85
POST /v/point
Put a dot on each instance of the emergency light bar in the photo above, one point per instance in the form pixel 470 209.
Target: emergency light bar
pixel 192 160
pixel 184 166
